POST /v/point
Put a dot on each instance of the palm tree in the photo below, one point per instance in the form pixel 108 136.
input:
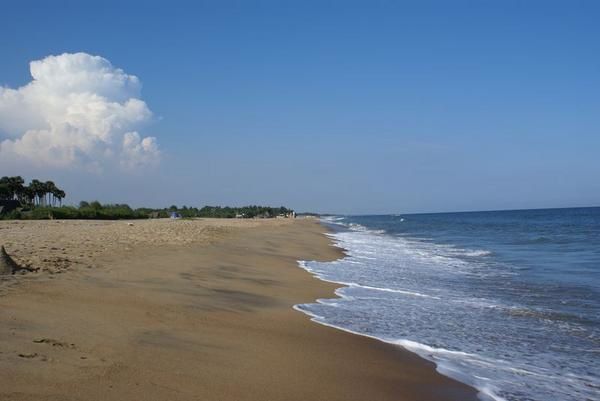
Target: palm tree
pixel 59 194
pixel 4 191
pixel 36 187
pixel 15 186
pixel 48 188
pixel 28 195
pixel 37 193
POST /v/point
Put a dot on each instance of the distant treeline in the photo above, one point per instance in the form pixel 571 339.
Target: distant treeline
pixel 36 193
pixel 96 210
pixel 43 200
pixel 230 212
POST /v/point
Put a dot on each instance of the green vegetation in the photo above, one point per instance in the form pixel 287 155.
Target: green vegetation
pixel 308 214
pixel 37 193
pixel 91 211
pixel 97 211
pixel 245 212
pixel 43 200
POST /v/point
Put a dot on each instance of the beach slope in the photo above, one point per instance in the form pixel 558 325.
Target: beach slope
pixel 187 310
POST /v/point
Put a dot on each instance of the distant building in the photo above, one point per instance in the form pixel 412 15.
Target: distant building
pixel 175 215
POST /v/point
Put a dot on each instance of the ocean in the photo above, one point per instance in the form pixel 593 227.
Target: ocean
pixel 506 301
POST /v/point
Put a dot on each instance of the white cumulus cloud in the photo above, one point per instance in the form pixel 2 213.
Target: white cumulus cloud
pixel 78 111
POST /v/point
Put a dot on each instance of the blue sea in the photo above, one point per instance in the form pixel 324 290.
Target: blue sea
pixel 506 301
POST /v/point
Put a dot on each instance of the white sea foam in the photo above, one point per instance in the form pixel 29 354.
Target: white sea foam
pixel 478 252
pixel 486 393
pixel 440 301
pixel 303 264
pixel 422 350
pixel 405 292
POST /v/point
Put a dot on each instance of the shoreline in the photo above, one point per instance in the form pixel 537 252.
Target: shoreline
pixel 481 392
pixel 185 321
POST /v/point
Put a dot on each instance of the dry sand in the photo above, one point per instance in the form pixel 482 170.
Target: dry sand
pixel 186 310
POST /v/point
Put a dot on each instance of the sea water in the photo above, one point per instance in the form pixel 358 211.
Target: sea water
pixel 506 301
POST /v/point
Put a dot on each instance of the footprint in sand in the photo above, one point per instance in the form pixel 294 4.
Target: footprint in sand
pixel 54 343
pixel 34 355
pixel 29 356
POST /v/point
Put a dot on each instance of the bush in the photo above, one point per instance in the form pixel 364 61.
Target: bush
pixel 12 215
pixel 97 211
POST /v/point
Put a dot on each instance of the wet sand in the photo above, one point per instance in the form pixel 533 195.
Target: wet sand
pixel 187 310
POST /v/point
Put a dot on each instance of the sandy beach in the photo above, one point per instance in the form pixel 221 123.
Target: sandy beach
pixel 186 310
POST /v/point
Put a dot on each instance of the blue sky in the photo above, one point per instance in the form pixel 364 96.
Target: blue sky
pixel 347 107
